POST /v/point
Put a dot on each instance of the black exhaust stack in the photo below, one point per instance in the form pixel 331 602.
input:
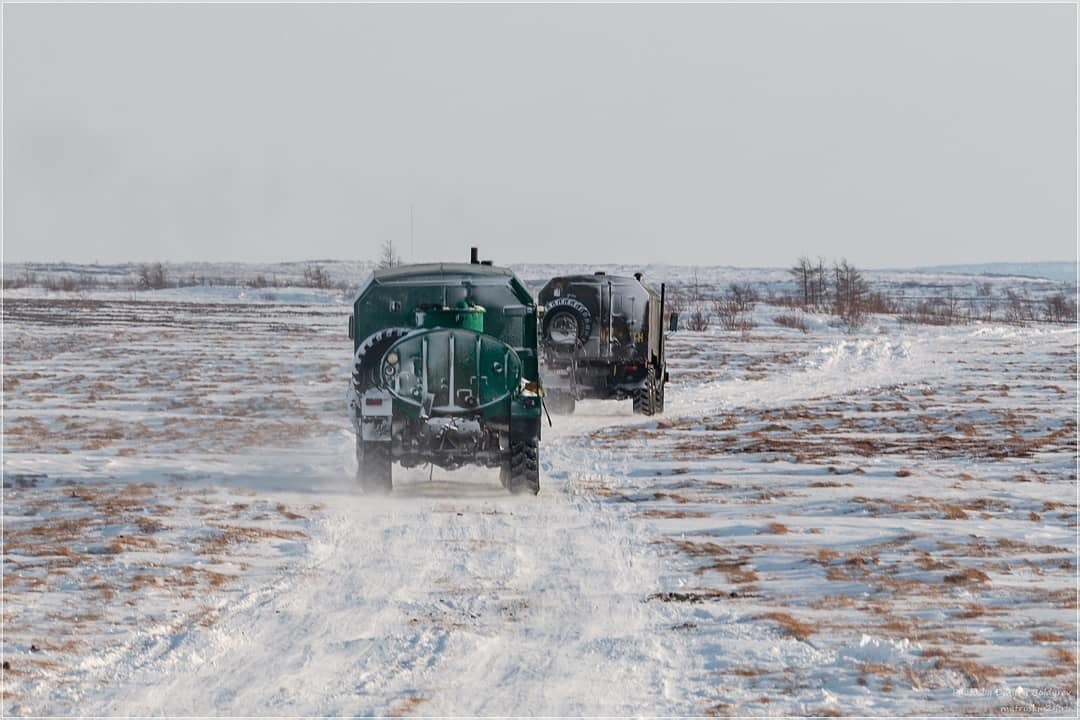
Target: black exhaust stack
pixel 474 256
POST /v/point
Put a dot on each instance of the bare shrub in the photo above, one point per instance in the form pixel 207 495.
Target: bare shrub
pixel 742 296
pixel 1018 307
pixel 697 321
pixel 791 321
pixel 22 280
pixel 261 281
pixel 315 276
pixel 64 283
pixel 1059 308
pixel 729 310
pixel 152 276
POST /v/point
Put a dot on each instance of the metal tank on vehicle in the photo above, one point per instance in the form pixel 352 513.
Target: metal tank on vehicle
pixel 602 337
pixel 445 371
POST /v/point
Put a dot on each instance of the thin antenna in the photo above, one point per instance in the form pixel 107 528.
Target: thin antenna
pixel 412 240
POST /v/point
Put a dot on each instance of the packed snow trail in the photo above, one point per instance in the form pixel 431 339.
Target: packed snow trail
pixel 447 598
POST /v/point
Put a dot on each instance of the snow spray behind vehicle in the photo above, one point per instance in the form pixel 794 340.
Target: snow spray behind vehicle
pixel 445 371
pixel 603 337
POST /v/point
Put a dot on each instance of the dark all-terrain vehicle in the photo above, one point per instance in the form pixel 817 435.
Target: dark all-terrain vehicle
pixel 603 337
pixel 445 372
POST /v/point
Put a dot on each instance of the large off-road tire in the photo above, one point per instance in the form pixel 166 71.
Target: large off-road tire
pixel 567 323
pixel 374 466
pixel 521 470
pixel 370 352
pixel 645 396
pixel 560 402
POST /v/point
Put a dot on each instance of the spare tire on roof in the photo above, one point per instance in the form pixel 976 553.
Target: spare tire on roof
pixel 567 322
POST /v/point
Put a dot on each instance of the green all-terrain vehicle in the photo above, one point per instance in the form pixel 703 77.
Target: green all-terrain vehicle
pixel 445 372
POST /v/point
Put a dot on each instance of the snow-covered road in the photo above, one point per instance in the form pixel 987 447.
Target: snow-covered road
pixel 448 595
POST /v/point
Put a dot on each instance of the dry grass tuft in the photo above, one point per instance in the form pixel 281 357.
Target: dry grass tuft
pixel 976 674
pixel 1064 656
pixel 832 602
pixel 281 508
pixel 672 514
pixel 954 512
pixel 407 706
pixel 1045 636
pixel 778 529
pixel 825 555
pixel 967 576
pixel 797 629
pixel 735 570
pixel 971 611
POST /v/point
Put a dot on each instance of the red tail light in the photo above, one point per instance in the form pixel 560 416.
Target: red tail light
pixel 373 401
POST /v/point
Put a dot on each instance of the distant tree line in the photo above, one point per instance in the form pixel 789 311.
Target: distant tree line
pixel 840 289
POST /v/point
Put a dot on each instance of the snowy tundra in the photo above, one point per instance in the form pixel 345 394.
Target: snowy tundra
pixel 877 522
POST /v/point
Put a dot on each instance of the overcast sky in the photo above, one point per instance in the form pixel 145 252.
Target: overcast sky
pixel 714 134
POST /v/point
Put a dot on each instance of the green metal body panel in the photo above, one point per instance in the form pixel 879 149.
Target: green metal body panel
pixel 460 316
pixel 482 304
pixel 464 372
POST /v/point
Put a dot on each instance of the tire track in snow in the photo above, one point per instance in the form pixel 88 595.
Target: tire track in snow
pixel 449 598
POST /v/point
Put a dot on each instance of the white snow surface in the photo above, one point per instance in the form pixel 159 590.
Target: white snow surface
pixel 184 536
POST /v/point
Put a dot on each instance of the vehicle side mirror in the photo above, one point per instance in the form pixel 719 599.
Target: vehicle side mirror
pixel 350 326
pixel 673 322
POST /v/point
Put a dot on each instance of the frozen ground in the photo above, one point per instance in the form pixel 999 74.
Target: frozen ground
pixel 823 523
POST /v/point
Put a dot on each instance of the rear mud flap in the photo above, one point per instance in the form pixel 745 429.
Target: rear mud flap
pixel 376 415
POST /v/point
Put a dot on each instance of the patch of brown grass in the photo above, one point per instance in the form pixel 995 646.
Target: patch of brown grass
pixel 671 514
pixel 976 674
pixel 237 534
pixel 797 629
pixel 281 508
pixel 953 512
pixel 681 499
pixel 825 555
pixel 407 706
pixel 1045 636
pixel 735 570
pixel 967 576
pixel 125 543
pixel 1064 656
pixel 832 602
pixel 971 611
pixel 778 528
